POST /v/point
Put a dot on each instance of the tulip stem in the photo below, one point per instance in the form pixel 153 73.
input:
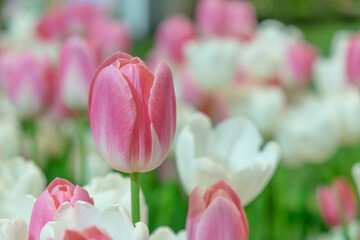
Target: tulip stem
pixel 32 130
pixel 135 195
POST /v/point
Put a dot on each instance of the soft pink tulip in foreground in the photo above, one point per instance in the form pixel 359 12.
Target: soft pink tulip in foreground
pixel 93 233
pixel 337 203
pixel 217 215
pixel 353 59
pixel 132 113
pixel 58 192
pixel 78 61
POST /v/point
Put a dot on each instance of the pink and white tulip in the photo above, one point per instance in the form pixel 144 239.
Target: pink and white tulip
pixel 86 234
pixel 217 215
pixel 59 191
pixel 337 203
pixel 353 59
pixel 132 113
pixel 78 61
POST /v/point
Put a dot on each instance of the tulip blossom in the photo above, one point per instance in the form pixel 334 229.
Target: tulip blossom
pixel 59 191
pixel 171 37
pixel 15 229
pixel 337 203
pixel 353 59
pixel 132 113
pixel 88 233
pixel 165 233
pixel 78 62
pixel 29 85
pixel 84 218
pixel 230 152
pixel 217 215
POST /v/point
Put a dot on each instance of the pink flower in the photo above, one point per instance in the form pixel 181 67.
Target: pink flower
pixel 172 35
pixel 29 84
pixel 337 203
pixel 217 215
pixel 132 113
pixel 52 25
pixel 226 18
pixel 88 233
pixel 58 192
pixel 353 59
pixel 78 61
pixel 110 36
pixel 301 58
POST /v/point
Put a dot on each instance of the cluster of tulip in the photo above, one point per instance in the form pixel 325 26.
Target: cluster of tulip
pixel 222 98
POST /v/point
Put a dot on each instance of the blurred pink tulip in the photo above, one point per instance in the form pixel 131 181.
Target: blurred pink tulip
pixel 337 203
pixel 52 25
pixel 217 215
pixel 226 18
pixel 78 61
pixel 6 63
pixel 90 233
pixel 110 36
pixel 132 113
pixel 353 59
pixel 58 192
pixel 30 84
pixel 172 35
pixel 301 57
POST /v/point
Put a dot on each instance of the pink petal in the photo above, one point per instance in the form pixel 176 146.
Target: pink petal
pixel 81 194
pixel 95 233
pixel 196 209
pixel 353 59
pixel 327 205
pixel 72 235
pixel 347 199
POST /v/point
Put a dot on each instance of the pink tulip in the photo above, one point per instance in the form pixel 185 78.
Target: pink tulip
pixel 172 35
pixel 217 215
pixel 90 233
pixel 353 59
pixel 132 113
pixel 337 203
pixel 78 61
pixel 52 25
pixel 30 84
pixel 58 192
pixel 301 58
pixel 226 18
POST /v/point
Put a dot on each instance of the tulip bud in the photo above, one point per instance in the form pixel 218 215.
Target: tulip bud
pixel 337 203
pixel 58 192
pixel 30 84
pixel 353 59
pixel 132 113
pixel 217 215
pixel 78 62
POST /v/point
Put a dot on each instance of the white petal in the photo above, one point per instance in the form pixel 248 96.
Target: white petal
pixel 52 230
pixel 141 232
pixel 15 229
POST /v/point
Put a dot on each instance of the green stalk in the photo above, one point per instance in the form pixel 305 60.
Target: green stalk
pixel 81 125
pixel 135 195
pixel 32 131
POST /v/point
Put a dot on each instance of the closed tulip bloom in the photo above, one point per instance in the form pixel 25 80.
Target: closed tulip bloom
pixel 29 84
pixel 210 15
pixel 132 113
pixel 78 61
pixel 217 215
pixel 337 202
pixel 353 59
pixel 59 191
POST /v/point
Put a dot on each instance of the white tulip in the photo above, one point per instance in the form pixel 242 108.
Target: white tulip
pixel 230 152
pixel 356 175
pixel 10 135
pixel 114 189
pixel 114 220
pixel 15 229
pixel 165 233
pixel 212 62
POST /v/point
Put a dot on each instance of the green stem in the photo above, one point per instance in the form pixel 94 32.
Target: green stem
pixel 80 122
pixel 135 195
pixel 32 131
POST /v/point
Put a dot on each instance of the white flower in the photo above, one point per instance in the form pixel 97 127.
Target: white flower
pixel 307 132
pixel 212 62
pixel 15 229
pixel 356 175
pixel 114 189
pixel 10 134
pixel 114 220
pixel 165 233
pixel 263 105
pixel 231 152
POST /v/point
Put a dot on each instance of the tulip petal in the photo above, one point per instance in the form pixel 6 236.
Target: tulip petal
pixel 81 194
pixel 196 209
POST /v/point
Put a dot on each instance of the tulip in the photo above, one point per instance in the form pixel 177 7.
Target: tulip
pixel 58 192
pixel 171 37
pixel 29 85
pixel 337 203
pixel 78 62
pixel 16 229
pixel 210 15
pixel 217 215
pixel 353 59
pixel 88 233
pixel 132 113
pixel 167 233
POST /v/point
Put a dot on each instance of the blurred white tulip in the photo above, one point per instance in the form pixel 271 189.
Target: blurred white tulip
pixel 15 229
pixel 166 233
pixel 230 152
pixel 114 189
pixel 356 175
